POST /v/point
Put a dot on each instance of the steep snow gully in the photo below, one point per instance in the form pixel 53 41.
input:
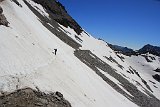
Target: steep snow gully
pixel 86 71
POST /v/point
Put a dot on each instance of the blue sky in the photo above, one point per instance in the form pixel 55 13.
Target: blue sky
pixel 131 23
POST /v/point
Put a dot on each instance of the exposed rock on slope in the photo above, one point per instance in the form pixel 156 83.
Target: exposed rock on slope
pixel 137 97
pixel 57 12
pixel 3 20
pixel 1 0
pixel 61 35
pixel 157 77
pixel 157 70
pixel 31 98
pixel 17 3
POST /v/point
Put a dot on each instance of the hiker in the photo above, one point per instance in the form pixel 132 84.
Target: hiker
pixel 55 51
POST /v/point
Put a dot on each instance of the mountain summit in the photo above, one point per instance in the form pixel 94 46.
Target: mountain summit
pixel 155 50
pixel 48 60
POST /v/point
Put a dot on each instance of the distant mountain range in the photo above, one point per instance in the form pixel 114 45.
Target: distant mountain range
pixel 155 50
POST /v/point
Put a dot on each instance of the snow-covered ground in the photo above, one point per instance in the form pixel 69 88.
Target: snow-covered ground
pixel 146 70
pixel 139 63
pixel 27 59
pixel 101 49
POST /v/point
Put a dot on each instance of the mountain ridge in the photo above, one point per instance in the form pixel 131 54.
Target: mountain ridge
pixel 58 12
pixel 155 50
pixel 85 71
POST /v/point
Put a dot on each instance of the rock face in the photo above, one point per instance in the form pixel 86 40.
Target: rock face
pixel 31 98
pixel 3 20
pixel 151 49
pixel 157 70
pixel 57 12
pixel 157 77
pixel 17 3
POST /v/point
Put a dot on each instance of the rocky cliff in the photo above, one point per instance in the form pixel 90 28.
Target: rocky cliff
pixel 58 12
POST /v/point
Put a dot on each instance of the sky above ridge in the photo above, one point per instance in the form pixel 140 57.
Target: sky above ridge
pixel 131 23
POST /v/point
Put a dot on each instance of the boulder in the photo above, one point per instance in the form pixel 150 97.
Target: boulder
pixel 59 94
pixel 31 98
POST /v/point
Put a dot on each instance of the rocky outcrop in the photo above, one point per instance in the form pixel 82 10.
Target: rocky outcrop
pixel 58 12
pixel 3 20
pixel 156 77
pixel 31 98
pixel 15 1
pixel 157 70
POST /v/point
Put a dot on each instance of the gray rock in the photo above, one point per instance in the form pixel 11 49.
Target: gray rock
pixel 3 20
pixel 31 98
pixel 1 10
pixel 58 12
pixel 59 94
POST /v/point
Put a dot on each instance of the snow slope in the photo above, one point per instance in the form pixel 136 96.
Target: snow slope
pixel 27 59
pixel 145 69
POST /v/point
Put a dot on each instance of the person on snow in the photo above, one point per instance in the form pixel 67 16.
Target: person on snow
pixel 55 51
